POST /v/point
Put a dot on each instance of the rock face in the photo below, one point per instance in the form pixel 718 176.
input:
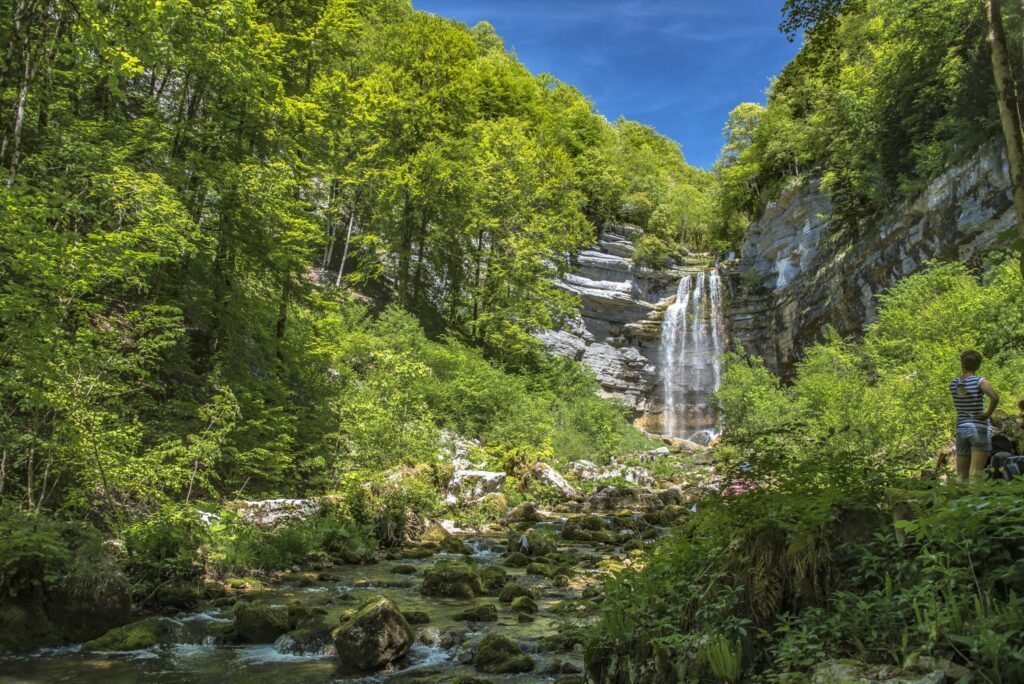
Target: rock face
pixel 474 484
pixel 617 331
pixel 799 274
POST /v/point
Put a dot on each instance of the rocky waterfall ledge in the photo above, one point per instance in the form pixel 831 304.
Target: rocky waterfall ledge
pixel 798 275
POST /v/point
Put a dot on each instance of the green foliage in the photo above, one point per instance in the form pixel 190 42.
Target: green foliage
pixel 33 551
pixel 806 567
pixel 882 97
pixel 165 545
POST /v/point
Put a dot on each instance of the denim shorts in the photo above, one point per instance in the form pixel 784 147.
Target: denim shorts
pixel 976 437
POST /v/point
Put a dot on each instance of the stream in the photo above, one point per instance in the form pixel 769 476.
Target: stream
pixel 443 648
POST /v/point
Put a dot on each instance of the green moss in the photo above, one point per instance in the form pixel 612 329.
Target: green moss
pixel 517 560
pixel 373 635
pixel 453 580
pixel 485 613
pixel 133 637
pixel 260 623
pixel 493 579
pixel 512 591
pixel 524 604
pixel 497 654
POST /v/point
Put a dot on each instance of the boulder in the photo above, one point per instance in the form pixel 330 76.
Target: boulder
pixel 497 654
pixel 313 637
pixel 524 604
pixel 417 617
pixel 582 528
pixel 453 580
pixel 260 623
pixel 535 542
pixel 373 636
pixel 493 578
pixel 855 672
pixel 517 559
pixel 607 498
pixel 134 637
pixel 525 513
pixel 178 595
pixel 588 471
pixel 487 612
pixel 467 485
pixel 513 590
pixel 546 476
pixel 453 544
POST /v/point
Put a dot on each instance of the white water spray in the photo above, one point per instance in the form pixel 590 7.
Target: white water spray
pixel 692 343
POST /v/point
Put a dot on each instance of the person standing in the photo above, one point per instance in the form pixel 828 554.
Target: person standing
pixel 973 429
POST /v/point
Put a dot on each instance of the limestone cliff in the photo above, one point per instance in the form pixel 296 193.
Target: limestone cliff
pixel 617 330
pixel 798 274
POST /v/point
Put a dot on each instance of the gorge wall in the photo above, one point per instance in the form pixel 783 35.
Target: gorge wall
pixel 797 275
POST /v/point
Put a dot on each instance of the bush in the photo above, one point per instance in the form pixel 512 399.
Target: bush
pixel 165 545
pixel 33 552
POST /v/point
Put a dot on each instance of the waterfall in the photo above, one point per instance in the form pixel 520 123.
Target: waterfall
pixel 692 343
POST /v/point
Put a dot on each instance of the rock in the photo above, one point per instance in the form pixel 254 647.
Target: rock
pixel 134 637
pixel 487 612
pixel 535 542
pixel 469 679
pixel 542 569
pixel 517 559
pixel 313 637
pixel 243 585
pixel 547 476
pixel 512 591
pixel 455 545
pixel 493 579
pixel 524 604
pixel 799 274
pixel 588 471
pixel 404 569
pixel 433 531
pixel 443 638
pixel 582 528
pixel 467 485
pixel 497 654
pixel 260 623
pixel 525 513
pixel 270 512
pixel 373 637
pixel 854 672
pixel 178 595
pixel 607 498
pixel 416 553
pixel 417 617
pixel 452 579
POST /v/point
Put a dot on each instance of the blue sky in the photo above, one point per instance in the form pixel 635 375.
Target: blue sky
pixel 677 65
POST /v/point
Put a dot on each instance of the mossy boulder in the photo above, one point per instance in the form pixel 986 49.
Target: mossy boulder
pixel 534 542
pixel 261 623
pixel 178 595
pixel 542 569
pixel 134 637
pixel 517 560
pixel 244 585
pixel 513 590
pixel 497 654
pixel 312 636
pixel 404 569
pixel 525 513
pixel 524 604
pixel 493 579
pixel 455 545
pixel 487 612
pixel 417 617
pixel 417 552
pixel 373 636
pixel 452 580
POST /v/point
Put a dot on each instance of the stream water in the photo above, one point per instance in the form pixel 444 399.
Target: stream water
pixel 195 656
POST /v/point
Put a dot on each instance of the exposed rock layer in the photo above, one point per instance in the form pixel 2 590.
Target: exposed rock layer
pixel 799 274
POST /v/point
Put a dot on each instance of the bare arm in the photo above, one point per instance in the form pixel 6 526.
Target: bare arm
pixel 993 399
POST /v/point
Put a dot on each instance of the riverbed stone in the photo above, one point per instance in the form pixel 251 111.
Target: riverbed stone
pixel 453 544
pixel 487 612
pixel 524 513
pixel 512 591
pixel 375 635
pixel 453 580
pixel 497 654
pixel 524 604
pixel 493 578
pixel 260 623
pixel 134 637
pixel 517 559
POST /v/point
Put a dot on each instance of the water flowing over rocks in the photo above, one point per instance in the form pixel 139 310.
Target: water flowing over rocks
pixel 799 274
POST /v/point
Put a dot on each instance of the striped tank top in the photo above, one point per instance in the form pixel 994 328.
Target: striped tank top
pixel 969 400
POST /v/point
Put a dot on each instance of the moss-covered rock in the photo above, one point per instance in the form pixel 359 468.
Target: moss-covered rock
pixel 542 569
pixel 178 595
pixel 455 545
pixel 487 612
pixel 453 580
pixel 417 617
pixel 133 637
pixel 525 513
pixel 417 552
pixel 524 604
pixel 517 560
pixel 404 569
pixel 243 585
pixel 373 636
pixel 497 654
pixel 260 623
pixel 311 637
pixel 493 579
pixel 534 542
pixel 513 590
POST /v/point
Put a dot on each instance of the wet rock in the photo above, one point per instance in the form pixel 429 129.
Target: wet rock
pixel 373 636
pixel 497 654
pixel 535 542
pixel 571 679
pixel 443 638
pixel 854 672
pixel 487 612
pixel 512 591
pixel 243 585
pixel 416 553
pixel 546 476
pixel 524 604
pixel 469 679
pixel 433 531
pixel 260 623
pixel 404 569
pixel 517 560
pixel 493 579
pixel 542 569
pixel 452 544
pixel 134 637
pixel 313 637
pixel 453 580
pixel 417 617
pixel 582 528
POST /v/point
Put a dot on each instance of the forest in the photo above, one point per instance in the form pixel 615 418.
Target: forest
pixel 305 250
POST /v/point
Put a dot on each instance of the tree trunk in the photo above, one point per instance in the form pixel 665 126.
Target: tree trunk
pixel 344 252
pixel 1009 112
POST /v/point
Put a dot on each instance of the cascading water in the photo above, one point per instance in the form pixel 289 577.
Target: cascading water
pixel 692 343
